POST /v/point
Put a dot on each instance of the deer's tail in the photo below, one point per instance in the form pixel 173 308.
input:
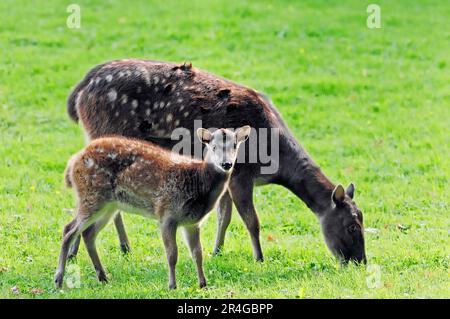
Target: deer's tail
pixel 75 94
pixel 72 104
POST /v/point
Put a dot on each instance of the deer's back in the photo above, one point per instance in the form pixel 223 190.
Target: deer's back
pixel 148 99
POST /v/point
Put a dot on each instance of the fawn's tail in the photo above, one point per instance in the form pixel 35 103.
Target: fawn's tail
pixel 67 174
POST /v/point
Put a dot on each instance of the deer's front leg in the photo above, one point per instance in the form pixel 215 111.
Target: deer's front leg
pixel 241 187
pixel 169 233
pixel 192 234
pixel 223 220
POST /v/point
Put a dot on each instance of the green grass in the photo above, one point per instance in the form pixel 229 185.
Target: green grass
pixel 371 106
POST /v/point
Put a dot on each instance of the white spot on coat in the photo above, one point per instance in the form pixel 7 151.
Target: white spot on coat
pixel 112 95
pixel 134 104
pixel 169 118
pixel 88 162
pixel 112 155
pixel 109 78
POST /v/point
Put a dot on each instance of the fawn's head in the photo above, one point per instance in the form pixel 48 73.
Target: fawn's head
pixel 343 228
pixel 222 145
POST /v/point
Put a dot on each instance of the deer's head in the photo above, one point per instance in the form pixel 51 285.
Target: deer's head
pixel 222 145
pixel 342 226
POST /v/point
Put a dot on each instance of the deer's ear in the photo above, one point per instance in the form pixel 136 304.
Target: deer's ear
pixel 242 133
pixel 338 194
pixel 350 191
pixel 204 135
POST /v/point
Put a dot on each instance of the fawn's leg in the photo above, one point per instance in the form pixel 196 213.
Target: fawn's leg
pixel 89 237
pixel 224 217
pixel 70 232
pixel 73 251
pixel 123 238
pixel 169 233
pixel 192 234
pixel 241 188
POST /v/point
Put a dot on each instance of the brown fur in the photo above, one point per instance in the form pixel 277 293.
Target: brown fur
pixel 177 190
pixel 119 97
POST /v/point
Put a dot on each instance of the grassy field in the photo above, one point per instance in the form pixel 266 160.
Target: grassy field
pixel 372 106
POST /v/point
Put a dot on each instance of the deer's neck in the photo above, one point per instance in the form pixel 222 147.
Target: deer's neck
pixel 212 185
pixel 299 173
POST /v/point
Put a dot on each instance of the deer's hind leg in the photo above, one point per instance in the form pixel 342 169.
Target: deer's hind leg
pixel 89 237
pixel 86 216
pixel 123 238
pixel 121 232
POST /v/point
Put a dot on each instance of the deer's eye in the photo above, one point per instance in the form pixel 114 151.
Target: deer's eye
pixel 214 148
pixel 353 228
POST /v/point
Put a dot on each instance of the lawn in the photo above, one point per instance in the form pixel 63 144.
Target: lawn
pixel 371 106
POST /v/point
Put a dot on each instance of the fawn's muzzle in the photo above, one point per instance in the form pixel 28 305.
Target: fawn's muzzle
pixel 227 166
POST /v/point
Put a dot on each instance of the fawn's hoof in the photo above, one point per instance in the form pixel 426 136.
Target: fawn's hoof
pixel 203 284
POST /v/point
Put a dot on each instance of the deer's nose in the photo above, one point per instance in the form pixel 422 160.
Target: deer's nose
pixel 226 166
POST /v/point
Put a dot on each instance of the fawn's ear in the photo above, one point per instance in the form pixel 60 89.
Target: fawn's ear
pixel 204 135
pixel 242 133
pixel 338 194
pixel 350 191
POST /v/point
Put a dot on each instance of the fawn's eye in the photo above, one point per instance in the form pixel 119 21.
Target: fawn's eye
pixel 214 148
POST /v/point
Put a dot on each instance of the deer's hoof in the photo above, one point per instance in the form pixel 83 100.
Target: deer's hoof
pixel 102 278
pixel 203 284
pixel 217 251
pixel 125 247
pixel 172 286
pixel 72 256
pixel 58 280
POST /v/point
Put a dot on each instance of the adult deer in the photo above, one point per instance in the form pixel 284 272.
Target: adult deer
pixel 148 99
